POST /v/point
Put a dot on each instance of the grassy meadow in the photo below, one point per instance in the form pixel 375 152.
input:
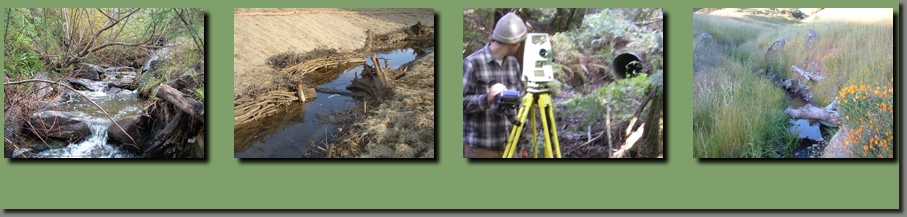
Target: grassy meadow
pixel 738 111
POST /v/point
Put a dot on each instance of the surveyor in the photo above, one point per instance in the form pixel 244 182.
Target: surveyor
pixel 486 73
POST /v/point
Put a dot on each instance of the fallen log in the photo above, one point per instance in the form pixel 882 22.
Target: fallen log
pixel 798 89
pixel 825 116
pixel 816 76
pixel 164 137
pixel 188 105
pixel 305 94
pixel 333 91
pixel 628 144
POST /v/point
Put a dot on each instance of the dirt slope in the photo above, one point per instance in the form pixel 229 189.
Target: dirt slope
pixel 259 33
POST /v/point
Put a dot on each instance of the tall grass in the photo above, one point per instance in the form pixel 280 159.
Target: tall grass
pixel 737 113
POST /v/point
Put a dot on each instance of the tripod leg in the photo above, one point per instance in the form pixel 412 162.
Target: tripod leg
pixel 549 109
pixel 514 137
pixel 550 129
pixel 535 149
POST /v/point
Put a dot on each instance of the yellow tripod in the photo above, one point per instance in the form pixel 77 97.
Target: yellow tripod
pixel 532 100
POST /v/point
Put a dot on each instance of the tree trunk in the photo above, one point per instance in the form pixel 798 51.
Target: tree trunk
pixel 188 105
pixel 165 136
pixel 652 135
pixel 826 117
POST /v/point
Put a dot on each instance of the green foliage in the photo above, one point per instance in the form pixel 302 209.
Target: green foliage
pixel 869 112
pixel 622 96
pixel 600 31
pixel 200 92
pixel 737 113
pixel 476 31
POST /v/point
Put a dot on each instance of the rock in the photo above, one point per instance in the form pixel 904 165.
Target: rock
pixel 190 79
pixel 124 80
pixel 59 125
pixel 776 46
pixel 51 144
pixel 7 151
pixel 89 71
pixel 811 38
pixel 120 92
pixel 138 127
pixel 21 153
pixel 83 84
pixel 705 36
pixel 42 89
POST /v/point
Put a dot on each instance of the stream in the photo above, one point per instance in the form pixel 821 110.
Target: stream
pixel 809 133
pixel 118 103
pixel 292 134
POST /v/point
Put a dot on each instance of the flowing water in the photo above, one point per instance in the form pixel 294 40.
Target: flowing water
pixel 119 105
pixel 294 132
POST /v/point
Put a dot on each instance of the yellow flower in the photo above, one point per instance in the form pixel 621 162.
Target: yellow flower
pixel 865 148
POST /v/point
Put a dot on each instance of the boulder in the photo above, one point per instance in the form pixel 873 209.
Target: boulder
pixel 120 92
pixel 83 84
pixel 42 89
pixel 124 80
pixel 58 125
pixel 776 46
pixel 190 79
pixel 51 144
pixel 811 38
pixel 89 71
pixel 138 127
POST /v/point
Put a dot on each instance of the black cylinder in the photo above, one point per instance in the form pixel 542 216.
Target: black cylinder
pixel 624 65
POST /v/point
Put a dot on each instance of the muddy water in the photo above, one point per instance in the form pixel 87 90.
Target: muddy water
pixel 294 132
pixel 120 105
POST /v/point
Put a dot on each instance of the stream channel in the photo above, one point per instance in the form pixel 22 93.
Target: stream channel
pixel 288 134
pixel 809 133
pixel 117 102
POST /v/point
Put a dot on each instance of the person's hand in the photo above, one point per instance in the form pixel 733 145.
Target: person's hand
pixel 494 91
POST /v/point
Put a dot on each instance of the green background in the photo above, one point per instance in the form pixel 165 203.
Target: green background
pixel 449 182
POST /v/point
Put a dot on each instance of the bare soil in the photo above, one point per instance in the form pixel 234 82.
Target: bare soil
pixel 402 126
pixel 259 33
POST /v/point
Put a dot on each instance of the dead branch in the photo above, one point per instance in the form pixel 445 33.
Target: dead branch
pixel 188 105
pixel 628 144
pixel 639 110
pixel 825 116
pixel 198 42
pixel 816 76
pixel 80 94
pixel 110 24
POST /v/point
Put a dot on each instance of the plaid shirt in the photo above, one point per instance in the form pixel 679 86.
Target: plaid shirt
pixel 483 125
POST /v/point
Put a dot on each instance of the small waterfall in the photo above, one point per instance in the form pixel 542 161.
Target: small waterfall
pixel 95 146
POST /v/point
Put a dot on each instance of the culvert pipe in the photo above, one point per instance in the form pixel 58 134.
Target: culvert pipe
pixel 624 65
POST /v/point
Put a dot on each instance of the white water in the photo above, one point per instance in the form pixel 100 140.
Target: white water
pixel 96 145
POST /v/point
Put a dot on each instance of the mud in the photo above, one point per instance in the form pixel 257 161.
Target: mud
pixel 374 128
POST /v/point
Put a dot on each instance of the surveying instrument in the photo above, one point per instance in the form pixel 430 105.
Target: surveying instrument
pixel 537 73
